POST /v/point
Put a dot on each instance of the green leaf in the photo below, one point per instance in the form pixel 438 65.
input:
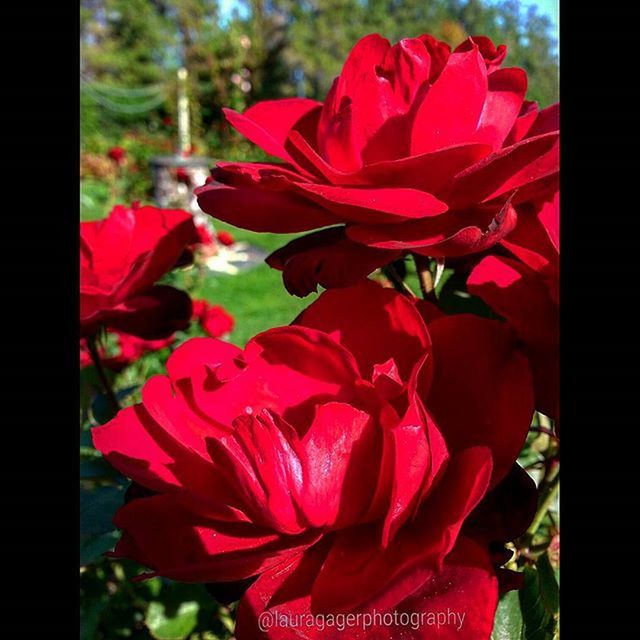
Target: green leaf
pixel 548 585
pixel 539 623
pixel 101 408
pixel 508 623
pixel 90 613
pixel 97 533
pixel 92 548
pixel 172 623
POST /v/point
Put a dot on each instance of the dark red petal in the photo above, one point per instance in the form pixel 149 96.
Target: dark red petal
pixel 504 171
pixel 481 392
pixel 286 370
pixel 374 204
pixel 156 313
pixel 267 124
pixel 524 299
pixel 507 88
pixel 506 511
pixel 450 111
pixel 259 209
pixel 181 546
pixel 373 323
pixel 455 233
pixel 368 574
pixel 326 258
pixel 339 458
pixel 548 120
pixel 493 56
pixel 457 602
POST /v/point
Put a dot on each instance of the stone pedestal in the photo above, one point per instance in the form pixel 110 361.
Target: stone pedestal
pixel 175 178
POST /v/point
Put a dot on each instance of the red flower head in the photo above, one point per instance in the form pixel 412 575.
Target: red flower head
pixel 525 291
pixel 345 463
pixel 213 318
pixel 415 148
pixel 204 235
pixel 182 175
pixel 121 257
pixel 225 238
pixel 117 154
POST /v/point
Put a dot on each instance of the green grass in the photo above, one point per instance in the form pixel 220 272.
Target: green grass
pixel 256 298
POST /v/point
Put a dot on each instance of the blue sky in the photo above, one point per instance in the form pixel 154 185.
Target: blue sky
pixel 545 7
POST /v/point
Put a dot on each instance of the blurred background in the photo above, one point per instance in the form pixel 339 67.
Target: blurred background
pixel 236 52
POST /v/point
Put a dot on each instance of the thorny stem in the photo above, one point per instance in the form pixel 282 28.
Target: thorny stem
pixel 425 277
pixel 550 493
pixel 95 356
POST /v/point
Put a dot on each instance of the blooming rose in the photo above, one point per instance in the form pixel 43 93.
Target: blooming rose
pixel 121 257
pixel 204 235
pixel 213 318
pixel 525 291
pixel 349 462
pixel 415 148
pixel 225 238
pixel 117 154
pixel 183 176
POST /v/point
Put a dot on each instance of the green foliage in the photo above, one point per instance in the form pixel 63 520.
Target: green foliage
pixel 132 48
pixel 508 622
pixel 538 604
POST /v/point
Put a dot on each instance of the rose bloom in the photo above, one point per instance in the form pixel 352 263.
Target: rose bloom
pixel 213 318
pixel 182 175
pixel 415 148
pixel 525 291
pixel 204 235
pixel 117 154
pixel 353 461
pixel 225 238
pixel 121 257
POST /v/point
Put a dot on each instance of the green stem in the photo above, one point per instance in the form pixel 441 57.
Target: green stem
pixel 425 277
pixel 398 283
pixel 95 356
pixel 550 492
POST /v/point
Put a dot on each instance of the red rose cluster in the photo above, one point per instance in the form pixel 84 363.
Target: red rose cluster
pixel 364 458
pixel 121 258
pixel 416 148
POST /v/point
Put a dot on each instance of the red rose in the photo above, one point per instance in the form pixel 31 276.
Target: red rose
pixel 182 175
pixel 117 154
pixel 345 461
pixel 225 238
pixel 214 319
pixel 204 235
pixel 121 257
pixel 414 149
pixel 526 292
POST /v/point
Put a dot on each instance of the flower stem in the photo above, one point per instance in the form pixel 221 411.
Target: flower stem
pixel 95 356
pixel 398 283
pixel 548 496
pixel 425 277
